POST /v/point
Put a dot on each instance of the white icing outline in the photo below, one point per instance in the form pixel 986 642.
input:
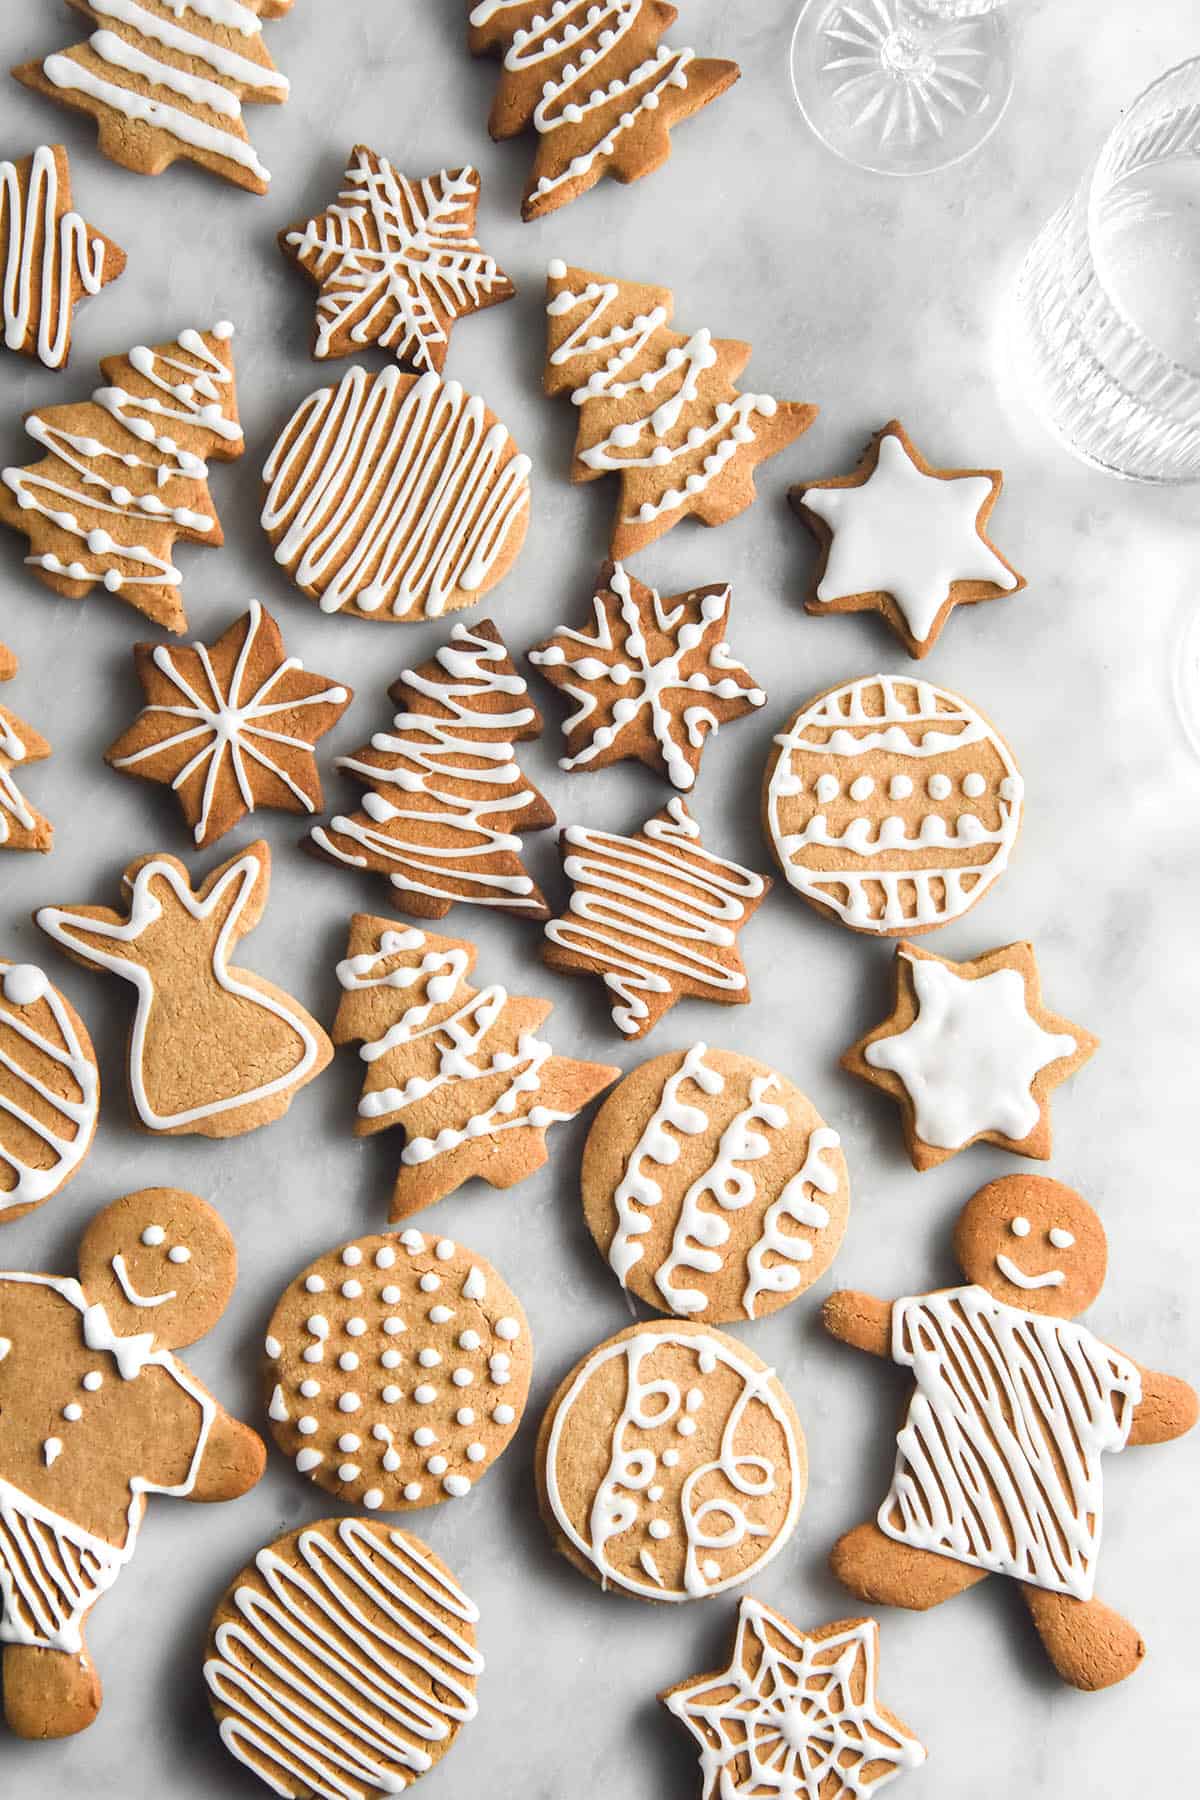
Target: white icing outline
pixel 34 1185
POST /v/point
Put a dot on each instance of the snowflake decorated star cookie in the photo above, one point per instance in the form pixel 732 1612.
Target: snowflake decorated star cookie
pixel 905 539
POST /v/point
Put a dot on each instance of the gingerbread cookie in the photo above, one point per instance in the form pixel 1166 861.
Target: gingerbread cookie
pixel 891 804
pixel 655 916
pixel 49 1089
pixel 971 1053
pixel 795 1713
pixel 22 827
pixel 445 798
pixel 126 473
pixel 212 1049
pixel 397 262
pixel 998 1461
pixel 50 257
pixel 651 679
pixel 596 85
pixel 713 1186
pixel 395 497
pixel 342 1661
pixel 671 1463
pixel 95 1414
pixel 230 726
pixel 161 86
pixel 660 409
pixel 904 539
pixel 397 1369
pixel 459 1068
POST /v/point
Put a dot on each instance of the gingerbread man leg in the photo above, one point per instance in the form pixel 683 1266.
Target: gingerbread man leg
pixel 49 1693
pixel 886 1573
pixel 1089 1644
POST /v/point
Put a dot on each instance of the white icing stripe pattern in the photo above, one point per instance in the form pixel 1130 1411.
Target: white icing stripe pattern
pixel 318 1690
pixel 392 494
pixel 236 68
pixel 27 1056
pixel 637 909
pixel 12 801
pixel 998 1463
pixel 67 255
pixel 461 742
pixel 103 509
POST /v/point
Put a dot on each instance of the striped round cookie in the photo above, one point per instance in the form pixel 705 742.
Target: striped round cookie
pixel 397 1370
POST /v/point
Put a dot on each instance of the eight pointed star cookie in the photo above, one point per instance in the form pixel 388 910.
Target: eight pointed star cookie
pixel 902 538
pixel 971 1053
pixel 397 262
pixel 49 255
pixel 796 1713
pixel 652 678
pixel 230 726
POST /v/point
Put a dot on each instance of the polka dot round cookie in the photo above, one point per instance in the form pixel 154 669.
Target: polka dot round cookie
pixel 891 804
pixel 397 1370
pixel 671 1463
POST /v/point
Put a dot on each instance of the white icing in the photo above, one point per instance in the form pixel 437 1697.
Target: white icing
pixel 13 803
pixel 23 1052
pixel 231 725
pixel 906 534
pixel 226 901
pixel 637 909
pixel 240 70
pixel 392 494
pixel 998 1464
pixel 462 743
pixel 1013 1272
pixel 1060 1238
pixel 393 257
pixel 948 864
pixel 32 285
pixel 969 1059
pixel 324 1676
pixel 130 1292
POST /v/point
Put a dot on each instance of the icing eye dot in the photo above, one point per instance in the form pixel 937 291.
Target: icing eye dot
pixel 938 787
pixel 1019 1227
pixel 179 1253
pixel 974 785
pixel 862 788
pixel 1060 1237
pixel 153 1235
pixel 900 787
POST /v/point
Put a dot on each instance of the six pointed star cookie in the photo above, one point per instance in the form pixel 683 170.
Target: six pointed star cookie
pixel 971 1053
pixel 49 255
pixel 796 1714
pixel 652 678
pixel 902 538
pixel 231 726
pixel 396 261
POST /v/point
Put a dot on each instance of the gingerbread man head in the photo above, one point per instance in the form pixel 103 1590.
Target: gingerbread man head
pixel 160 1261
pixel 1033 1243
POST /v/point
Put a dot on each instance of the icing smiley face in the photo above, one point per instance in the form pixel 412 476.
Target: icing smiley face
pixel 1033 1243
pixel 159 1261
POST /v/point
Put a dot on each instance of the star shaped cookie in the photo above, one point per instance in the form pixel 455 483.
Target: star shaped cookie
pixel 971 1053
pixel 397 262
pixel 651 679
pixel 230 726
pixel 795 1714
pixel 905 539
pixel 22 827
pixel 50 256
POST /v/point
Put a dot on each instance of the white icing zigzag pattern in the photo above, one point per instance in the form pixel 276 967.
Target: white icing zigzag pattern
pixel 68 255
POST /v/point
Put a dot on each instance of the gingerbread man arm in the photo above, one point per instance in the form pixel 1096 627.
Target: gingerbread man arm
pixel 234 1459
pixel 1167 1409
pixel 859 1320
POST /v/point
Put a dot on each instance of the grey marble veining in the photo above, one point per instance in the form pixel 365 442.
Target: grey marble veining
pixel 872 298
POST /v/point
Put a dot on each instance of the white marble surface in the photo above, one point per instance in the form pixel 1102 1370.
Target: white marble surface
pixel 872 299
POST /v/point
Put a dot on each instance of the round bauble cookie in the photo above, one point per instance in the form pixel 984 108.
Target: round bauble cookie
pixel 891 804
pixel 397 1370
pixel 49 1089
pixel 713 1186
pixel 342 1661
pixel 671 1463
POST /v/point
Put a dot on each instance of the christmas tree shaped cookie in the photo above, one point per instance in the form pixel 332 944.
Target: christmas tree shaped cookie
pixel 459 1067
pixel 396 261
pixel 165 79
pixel 125 474
pixel 596 84
pixel 50 257
pixel 445 798
pixel 659 408
pixel 22 827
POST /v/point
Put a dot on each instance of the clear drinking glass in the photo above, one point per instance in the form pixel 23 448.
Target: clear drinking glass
pixel 1104 326
pixel 902 87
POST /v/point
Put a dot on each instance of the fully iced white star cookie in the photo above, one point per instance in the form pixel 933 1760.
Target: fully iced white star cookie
pixel 971 1053
pixel 796 1714
pixel 905 539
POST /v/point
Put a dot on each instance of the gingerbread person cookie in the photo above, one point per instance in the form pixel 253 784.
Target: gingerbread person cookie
pixel 96 1413
pixel 50 257
pixel 998 1461
pixel 49 1090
